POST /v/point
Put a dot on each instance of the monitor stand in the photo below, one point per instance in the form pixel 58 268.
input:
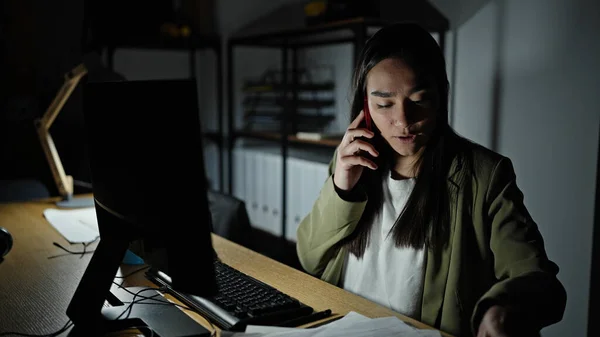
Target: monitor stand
pixel 79 202
pixel 91 318
pixel 165 320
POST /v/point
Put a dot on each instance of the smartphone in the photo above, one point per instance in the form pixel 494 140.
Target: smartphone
pixel 368 124
pixel 367 114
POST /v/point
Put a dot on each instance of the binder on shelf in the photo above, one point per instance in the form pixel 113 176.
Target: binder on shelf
pixel 269 189
pixel 274 199
pixel 313 185
pixel 322 173
pixel 305 202
pixel 260 190
pixel 239 181
pixel 250 184
pixel 305 179
pixel 305 188
pixel 293 197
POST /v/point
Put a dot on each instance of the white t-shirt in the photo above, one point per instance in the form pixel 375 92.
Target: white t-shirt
pixel 386 274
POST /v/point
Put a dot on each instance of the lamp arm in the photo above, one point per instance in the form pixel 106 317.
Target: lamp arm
pixel 63 181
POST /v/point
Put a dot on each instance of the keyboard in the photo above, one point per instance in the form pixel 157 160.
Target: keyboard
pixel 241 300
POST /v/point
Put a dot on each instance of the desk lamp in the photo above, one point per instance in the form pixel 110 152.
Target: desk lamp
pixel 63 181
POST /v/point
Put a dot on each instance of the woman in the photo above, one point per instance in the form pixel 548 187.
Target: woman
pixel 420 220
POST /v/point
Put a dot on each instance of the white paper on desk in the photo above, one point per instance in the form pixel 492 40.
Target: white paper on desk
pixel 75 225
pixel 352 325
pixel 261 329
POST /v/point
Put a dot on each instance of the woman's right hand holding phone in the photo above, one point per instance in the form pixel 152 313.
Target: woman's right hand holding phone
pixel 349 163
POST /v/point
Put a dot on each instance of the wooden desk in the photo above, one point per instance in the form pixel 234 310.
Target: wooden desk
pixel 35 289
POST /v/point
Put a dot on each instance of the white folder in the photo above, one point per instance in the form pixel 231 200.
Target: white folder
pixel 314 185
pixel 261 191
pixel 270 189
pixel 274 200
pixel 306 175
pixel 239 181
pixel 277 212
pixel 250 184
pixel 293 198
pixel 322 175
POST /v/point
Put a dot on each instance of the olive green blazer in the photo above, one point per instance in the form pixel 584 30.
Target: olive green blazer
pixel 495 253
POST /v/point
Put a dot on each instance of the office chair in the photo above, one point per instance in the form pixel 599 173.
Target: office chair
pixel 230 218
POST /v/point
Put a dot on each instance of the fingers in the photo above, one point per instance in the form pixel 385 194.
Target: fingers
pixel 356 122
pixel 358 160
pixel 352 134
pixel 352 146
pixel 350 155
pixel 358 145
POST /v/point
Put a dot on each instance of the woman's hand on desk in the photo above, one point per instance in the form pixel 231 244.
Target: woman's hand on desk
pixel 500 321
pixel 493 323
pixel 350 163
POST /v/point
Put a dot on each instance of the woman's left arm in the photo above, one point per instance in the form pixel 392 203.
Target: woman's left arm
pixel 527 285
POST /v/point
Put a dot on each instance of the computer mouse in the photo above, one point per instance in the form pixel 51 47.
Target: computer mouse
pixel 6 242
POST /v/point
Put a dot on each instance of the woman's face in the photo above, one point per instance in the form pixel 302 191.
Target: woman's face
pixel 403 106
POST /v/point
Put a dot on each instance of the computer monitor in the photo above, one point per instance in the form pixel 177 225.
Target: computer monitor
pixel 149 186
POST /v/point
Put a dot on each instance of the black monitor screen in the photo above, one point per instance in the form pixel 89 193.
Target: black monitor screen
pixel 148 175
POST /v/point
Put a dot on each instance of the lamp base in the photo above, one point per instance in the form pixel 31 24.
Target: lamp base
pixel 81 202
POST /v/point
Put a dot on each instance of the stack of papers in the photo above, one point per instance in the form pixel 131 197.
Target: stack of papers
pixel 75 225
pixel 352 325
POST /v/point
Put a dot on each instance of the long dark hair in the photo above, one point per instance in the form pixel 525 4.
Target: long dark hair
pixel 425 218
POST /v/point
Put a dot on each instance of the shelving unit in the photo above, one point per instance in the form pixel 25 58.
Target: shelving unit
pixel 264 104
pixel 285 30
pixel 292 140
pixel 190 45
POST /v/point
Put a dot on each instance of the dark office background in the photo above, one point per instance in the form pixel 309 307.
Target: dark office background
pixel 41 41
pixel 524 83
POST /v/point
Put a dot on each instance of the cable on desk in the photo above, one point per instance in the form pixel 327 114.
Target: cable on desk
pixel 82 253
pixel 69 324
pixel 65 327
pixel 167 302
pixel 86 244
pixel 69 252
pixel 130 274
pixel 133 301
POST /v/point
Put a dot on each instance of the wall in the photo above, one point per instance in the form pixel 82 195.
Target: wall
pixel 555 142
pixel 40 41
pixel 474 77
pixel 524 87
